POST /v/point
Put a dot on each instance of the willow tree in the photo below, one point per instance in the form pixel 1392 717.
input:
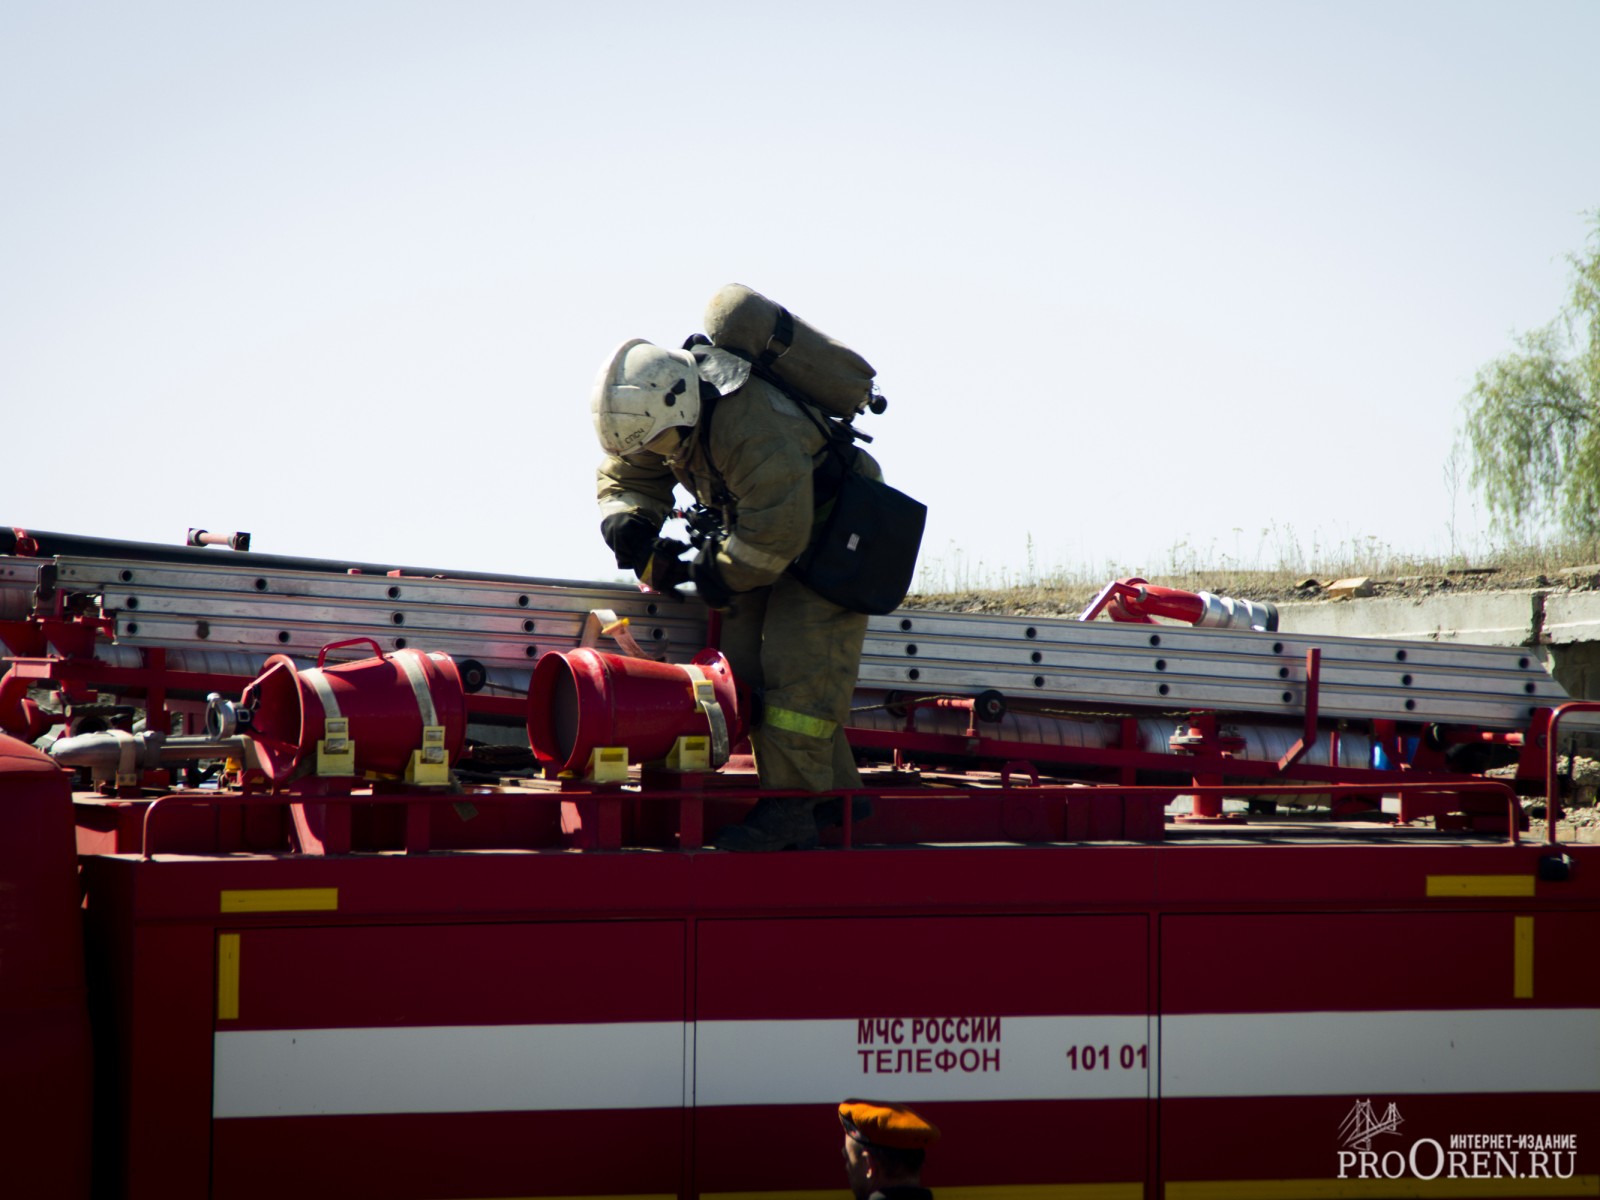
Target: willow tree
pixel 1533 416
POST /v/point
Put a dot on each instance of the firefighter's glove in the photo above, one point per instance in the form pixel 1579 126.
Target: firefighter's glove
pixel 708 581
pixel 665 570
pixel 630 536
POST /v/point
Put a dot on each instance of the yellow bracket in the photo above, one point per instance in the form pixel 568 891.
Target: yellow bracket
pixel 426 774
pixel 429 766
pixel 336 753
pixel 608 764
pixel 690 753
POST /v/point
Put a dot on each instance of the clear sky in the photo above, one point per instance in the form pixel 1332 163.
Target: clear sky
pixel 1142 281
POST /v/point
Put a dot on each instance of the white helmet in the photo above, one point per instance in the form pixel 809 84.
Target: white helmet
pixel 642 391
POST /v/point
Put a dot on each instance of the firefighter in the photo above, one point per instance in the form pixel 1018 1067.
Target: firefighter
pixel 884 1146
pixel 745 451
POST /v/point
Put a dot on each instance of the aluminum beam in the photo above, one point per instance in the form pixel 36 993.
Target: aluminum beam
pixel 507 624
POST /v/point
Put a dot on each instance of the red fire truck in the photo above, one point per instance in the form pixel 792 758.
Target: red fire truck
pixel 1142 908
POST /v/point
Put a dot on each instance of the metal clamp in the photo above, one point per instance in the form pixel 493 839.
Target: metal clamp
pixel 705 695
pixel 128 755
pixel 336 753
pixel 430 763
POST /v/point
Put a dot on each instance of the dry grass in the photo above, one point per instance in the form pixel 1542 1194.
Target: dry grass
pixel 953 585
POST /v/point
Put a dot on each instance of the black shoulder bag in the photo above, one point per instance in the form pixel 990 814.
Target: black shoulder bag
pixel 864 556
pixel 866 534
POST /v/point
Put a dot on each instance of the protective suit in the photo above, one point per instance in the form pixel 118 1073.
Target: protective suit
pixel 755 464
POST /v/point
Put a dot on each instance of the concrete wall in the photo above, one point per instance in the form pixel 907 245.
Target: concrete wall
pixel 1563 626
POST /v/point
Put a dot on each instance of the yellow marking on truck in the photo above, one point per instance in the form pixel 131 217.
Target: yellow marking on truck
pixel 1048 1191
pixel 271 900
pixel 1480 885
pixel 1522 959
pixel 1019 1191
pixel 1376 1189
pixel 228 977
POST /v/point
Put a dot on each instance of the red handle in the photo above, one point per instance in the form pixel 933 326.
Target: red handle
pixel 377 650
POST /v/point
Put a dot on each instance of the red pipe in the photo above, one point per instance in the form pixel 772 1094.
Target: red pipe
pixel 1117 593
pixel 1155 796
pixel 582 699
pixel 19 716
pixel 1137 601
pixel 1308 734
pixel 375 695
pixel 1143 601
pixel 1552 762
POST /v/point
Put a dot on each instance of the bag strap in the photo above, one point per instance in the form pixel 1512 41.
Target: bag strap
pixel 826 476
pixel 778 343
pixel 709 396
pixel 835 434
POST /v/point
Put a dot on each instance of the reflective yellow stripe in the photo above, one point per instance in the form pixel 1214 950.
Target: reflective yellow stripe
pixel 266 900
pixel 1047 1191
pixel 743 553
pixel 1480 885
pixel 795 722
pixel 228 977
pixel 1023 1191
pixel 1522 959
pixel 1375 1189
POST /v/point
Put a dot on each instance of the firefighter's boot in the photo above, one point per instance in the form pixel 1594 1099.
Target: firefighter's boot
pixel 773 824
